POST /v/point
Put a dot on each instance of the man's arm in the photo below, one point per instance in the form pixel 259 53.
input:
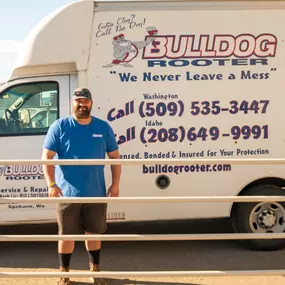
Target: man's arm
pixel 53 189
pixel 116 174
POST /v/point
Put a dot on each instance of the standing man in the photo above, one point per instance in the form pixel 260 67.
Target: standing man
pixel 80 136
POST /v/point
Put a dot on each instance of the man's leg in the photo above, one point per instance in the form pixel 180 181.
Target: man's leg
pixel 65 250
pixel 93 247
pixel 69 222
pixel 94 222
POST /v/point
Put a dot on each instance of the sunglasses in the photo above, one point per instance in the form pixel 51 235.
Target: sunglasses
pixel 82 93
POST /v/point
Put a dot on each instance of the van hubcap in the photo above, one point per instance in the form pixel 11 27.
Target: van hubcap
pixel 267 218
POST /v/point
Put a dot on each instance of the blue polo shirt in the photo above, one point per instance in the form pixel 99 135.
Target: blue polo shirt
pixel 70 140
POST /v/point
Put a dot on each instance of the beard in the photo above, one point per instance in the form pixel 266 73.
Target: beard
pixel 82 112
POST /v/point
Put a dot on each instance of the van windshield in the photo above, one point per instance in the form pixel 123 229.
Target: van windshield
pixel 28 108
pixel 9 99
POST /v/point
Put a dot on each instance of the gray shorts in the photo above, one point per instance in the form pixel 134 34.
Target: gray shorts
pixel 78 218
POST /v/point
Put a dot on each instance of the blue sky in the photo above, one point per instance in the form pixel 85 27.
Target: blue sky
pixel 18 17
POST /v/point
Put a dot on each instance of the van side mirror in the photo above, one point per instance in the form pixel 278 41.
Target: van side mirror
pixel 25 117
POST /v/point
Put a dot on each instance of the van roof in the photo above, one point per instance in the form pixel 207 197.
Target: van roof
pixel 60 45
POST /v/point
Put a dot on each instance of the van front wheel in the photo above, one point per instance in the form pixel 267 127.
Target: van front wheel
pixel 261 217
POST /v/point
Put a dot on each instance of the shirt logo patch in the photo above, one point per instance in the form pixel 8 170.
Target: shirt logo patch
pixel 97 135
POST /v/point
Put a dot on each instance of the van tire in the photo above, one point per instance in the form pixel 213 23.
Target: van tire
pixel 249 217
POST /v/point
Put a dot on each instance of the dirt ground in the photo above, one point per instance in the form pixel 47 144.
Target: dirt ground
pixel 144 256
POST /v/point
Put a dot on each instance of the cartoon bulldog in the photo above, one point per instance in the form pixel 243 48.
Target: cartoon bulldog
pixel 125 50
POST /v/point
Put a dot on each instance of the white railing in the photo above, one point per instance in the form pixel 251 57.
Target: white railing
pixel 136 237
pixel 115 274
pixel 138 161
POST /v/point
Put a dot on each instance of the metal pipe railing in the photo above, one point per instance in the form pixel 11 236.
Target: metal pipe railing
pixel 115 274
pixel 137 237
pixel 134 237
pixel 139 161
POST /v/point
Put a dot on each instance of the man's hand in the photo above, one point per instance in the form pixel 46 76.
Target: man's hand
pixel 116 173
pixel 54 192
pixel 113 191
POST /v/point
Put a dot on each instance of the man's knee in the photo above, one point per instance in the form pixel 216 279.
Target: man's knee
pixel 65 246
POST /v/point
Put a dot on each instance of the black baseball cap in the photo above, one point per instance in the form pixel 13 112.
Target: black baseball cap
pixel 82 93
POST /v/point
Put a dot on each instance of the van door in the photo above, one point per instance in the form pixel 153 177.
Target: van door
pixel 27 109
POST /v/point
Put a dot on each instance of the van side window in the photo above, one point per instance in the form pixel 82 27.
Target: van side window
pixel 29 108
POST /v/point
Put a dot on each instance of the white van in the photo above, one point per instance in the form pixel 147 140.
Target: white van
pixel 175 80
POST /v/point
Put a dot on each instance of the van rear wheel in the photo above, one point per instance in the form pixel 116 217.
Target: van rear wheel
pixel 261 217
